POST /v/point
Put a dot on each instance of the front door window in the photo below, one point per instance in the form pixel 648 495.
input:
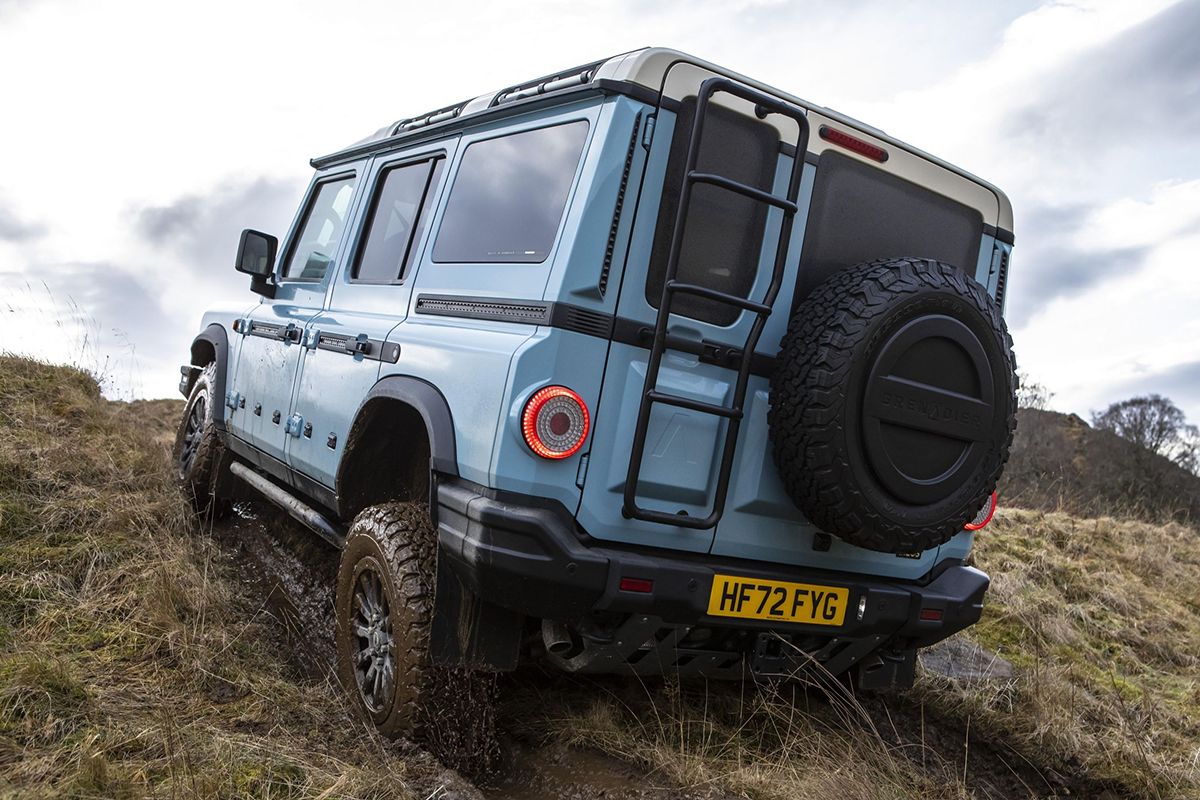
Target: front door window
pixel 322 228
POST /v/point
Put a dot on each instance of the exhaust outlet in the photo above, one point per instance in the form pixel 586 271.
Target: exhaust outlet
pixel 556 638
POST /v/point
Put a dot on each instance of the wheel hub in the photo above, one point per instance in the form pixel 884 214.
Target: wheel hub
pixel 928 409
pixel 374 644
pixel 193 432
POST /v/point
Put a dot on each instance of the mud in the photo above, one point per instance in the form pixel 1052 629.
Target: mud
pixel 558 772
pixel 293 572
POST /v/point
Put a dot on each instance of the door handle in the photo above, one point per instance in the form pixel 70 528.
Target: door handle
pixel 359 344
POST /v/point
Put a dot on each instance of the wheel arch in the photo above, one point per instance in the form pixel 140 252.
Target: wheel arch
pixel 211 345
pixel 404 410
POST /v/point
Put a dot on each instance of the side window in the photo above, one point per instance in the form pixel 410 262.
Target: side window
pixel 397 215
pixel 509 195
pixel 322 228
pixel 723 237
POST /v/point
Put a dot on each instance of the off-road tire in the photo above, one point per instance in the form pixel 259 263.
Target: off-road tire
pixel 833 352
pixel 201 462
pixel 450 711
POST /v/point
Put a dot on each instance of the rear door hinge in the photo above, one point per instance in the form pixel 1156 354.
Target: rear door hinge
pixel 648 132
pixel 581 473
pixel 233 399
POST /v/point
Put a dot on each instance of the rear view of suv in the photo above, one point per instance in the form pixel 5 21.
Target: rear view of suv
pixel 641 367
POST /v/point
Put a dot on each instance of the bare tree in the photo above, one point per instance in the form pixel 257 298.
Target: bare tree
pixel 1155 423
pixel 1031 394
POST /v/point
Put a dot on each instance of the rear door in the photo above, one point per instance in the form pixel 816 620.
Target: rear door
pixel 730 247
pixel 272 334
pixel 347 342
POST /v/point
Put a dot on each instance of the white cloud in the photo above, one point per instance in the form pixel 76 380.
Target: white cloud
pixel 124 107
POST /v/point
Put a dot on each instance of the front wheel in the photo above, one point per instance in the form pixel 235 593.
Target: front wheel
pixel 199 453
pixel 385 603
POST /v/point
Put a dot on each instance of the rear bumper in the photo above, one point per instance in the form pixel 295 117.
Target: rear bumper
pixel 529 556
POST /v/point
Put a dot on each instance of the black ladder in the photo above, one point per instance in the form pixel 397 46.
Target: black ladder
pixel 764 105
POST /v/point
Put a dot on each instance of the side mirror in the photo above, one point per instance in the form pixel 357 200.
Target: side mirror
pixel 256 257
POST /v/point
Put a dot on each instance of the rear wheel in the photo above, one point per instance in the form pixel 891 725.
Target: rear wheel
pixel 385 602
pixel 199 453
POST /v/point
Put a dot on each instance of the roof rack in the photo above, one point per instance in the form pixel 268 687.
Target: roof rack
pixel 575 76
pixel 429 118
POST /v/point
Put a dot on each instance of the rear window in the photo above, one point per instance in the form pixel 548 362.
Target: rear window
pixel 861 213
pixel 723 236
pixel 508 197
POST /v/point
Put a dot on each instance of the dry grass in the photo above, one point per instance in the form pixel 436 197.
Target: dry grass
pixel 766 742
pixel 130 663
pixel 1102 619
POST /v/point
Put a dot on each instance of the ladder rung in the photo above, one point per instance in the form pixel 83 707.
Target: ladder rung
pixel 746 191
pixel 694 405
pixel 719 296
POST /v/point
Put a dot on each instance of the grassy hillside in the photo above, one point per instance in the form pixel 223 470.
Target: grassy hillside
pixel 1101 617
pixel 1060 463
pixel 130 663
pixel 133 662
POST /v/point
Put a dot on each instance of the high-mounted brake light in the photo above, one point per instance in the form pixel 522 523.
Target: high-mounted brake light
pixel 853 144
pixel 555 422
pixel 984 516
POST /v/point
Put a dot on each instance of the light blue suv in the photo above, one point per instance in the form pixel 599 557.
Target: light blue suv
pixel 639 367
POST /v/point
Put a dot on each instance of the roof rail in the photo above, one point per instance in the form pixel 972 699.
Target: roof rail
pixel 429 118
pixel 575 76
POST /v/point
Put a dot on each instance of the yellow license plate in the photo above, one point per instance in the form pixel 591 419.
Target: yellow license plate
pixel 757 598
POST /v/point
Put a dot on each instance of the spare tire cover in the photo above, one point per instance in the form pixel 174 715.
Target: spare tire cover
pixel 893 403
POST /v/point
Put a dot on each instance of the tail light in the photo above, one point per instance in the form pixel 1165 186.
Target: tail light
pixel 984 516
pixel 555 422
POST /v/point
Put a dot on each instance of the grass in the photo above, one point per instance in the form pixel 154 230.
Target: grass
pixel 130 663
pixel 134 664
pixel 1102 619
pixel 765 742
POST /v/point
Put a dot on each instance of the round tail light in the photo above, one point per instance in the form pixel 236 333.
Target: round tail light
pixel 555 422
pixel 984 516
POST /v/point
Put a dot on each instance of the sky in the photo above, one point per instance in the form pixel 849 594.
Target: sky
pixel 137 139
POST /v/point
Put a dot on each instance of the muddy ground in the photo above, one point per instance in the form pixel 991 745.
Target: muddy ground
pixel 293 573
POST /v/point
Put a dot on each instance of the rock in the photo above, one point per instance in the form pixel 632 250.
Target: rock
pixel 960 659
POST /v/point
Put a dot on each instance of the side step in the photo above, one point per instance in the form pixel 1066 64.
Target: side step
pixel 313 520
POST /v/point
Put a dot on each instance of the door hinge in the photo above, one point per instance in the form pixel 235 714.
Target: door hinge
pixel 581 473
pixel 648 132
pixel 233 399
pixel 311 338
pixel 294 425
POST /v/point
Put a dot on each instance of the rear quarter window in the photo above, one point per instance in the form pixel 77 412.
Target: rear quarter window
pixel 860 213
pixel 508 197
